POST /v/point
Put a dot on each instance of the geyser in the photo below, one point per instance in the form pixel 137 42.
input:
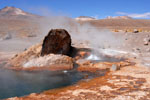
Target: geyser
pixel 58 41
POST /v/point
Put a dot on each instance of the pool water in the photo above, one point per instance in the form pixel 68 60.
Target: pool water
pixel 21 83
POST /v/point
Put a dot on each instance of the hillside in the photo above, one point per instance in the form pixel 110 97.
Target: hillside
pixel 17 23
pixel 120 23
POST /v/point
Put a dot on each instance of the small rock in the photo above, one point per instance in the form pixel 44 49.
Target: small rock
pixel 113 67
pixel 145 43
pixel 31 35
pixel 136 49
pixel 7 37
pixel 25 49
pixel 148 50
pixel 33 94
pixel 135 31
pixel 146 39
pixel 147 35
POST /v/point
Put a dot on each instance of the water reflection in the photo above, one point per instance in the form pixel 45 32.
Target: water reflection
pixel 20 83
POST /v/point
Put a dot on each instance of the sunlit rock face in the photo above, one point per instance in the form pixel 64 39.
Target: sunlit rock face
pixel 58 41
pixel 51 61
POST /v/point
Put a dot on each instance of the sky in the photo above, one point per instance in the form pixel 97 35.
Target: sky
pixel 75 8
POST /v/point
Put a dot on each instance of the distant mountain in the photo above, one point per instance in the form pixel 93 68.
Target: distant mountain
pixel 84 18
pixel 12 12
pixel 119 17
pixel 16 23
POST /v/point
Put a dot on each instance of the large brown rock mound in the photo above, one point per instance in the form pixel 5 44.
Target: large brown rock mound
pixel 31 60
pixel 58 41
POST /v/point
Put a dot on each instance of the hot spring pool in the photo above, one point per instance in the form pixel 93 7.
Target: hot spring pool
pixel 21 83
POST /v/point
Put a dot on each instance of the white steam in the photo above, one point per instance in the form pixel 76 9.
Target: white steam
pixel 93 57
pixel 94 37
pixel 97 37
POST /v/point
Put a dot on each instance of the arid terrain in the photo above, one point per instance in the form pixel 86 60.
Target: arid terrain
pixel 22 37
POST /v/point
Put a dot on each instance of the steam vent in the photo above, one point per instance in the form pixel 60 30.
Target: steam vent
pixel 58 41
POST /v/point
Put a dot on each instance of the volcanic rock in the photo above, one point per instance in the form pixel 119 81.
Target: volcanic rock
pixel 51 61
pixel 31 60
pixel 58 41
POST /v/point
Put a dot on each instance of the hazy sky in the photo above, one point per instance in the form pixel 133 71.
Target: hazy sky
pixel 75 8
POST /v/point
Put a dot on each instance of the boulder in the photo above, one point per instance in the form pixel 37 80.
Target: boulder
pixel 58 41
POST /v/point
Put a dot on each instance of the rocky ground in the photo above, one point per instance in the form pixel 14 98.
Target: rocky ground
pixel 124 80
pixel 138 43
pixel 127 80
